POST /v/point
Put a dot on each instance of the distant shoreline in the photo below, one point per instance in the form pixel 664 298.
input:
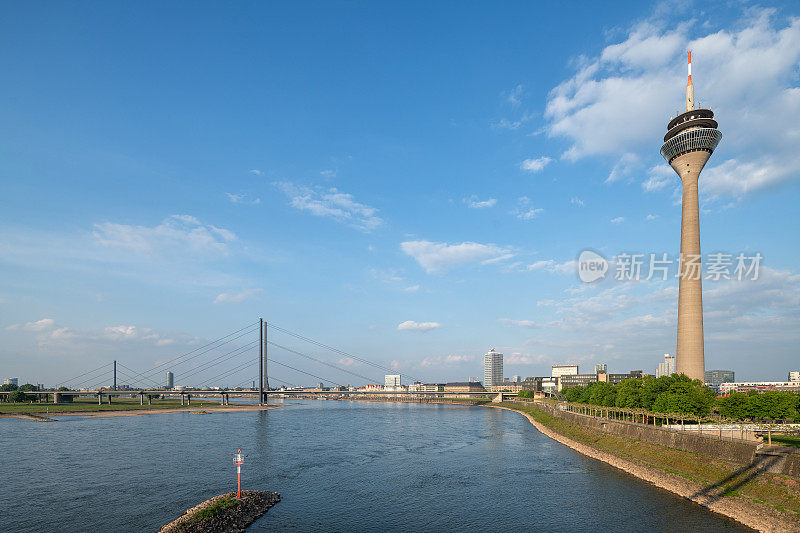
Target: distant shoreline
pixel 50 417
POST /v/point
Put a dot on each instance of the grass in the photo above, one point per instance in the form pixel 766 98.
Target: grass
pixel 214 509
pixel 85 405
pixel 781 492
pixel 786 440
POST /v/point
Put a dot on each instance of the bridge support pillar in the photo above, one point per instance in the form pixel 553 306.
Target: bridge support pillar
pixel 99 399
pixel 181 399
pixel 56 397
pixel 149 400
pixel 498 398
pixel 188 399
pixel 141 399
pixel 109 399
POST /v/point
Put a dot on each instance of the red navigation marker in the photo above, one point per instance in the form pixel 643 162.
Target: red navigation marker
pixel 238 459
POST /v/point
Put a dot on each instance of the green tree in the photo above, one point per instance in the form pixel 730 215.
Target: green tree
pixel 573 394
pixel 8 387
pixel 62 388
pixel 27 387
pixel 629 393
pixel 735 405
pixel 18 396
pixel 774 405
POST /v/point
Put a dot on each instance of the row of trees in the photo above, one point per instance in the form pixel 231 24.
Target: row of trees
pixel 679 394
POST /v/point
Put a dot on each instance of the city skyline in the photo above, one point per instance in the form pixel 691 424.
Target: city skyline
pixel 374 190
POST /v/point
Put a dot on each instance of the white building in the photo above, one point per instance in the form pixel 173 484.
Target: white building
pixel 564 370
pixel 794 376
pixel 492 369
pixel 601 367
pixel 759 386
pixel 516 379
pixel 392 380
pixel 668 367
pixel 11 381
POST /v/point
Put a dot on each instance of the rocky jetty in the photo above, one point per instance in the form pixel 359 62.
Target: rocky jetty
pixel 224 513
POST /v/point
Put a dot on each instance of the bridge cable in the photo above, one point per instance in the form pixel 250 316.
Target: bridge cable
pixel 369 380
pixel 341 352
pixel 304 372
pixel 249 327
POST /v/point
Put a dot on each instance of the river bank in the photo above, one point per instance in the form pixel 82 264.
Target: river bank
pixel 758 500
pixel 224 513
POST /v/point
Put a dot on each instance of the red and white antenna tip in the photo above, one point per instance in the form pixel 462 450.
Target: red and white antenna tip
pixel 690 68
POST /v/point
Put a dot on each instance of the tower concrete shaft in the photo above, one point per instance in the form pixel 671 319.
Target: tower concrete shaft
pixel 690 140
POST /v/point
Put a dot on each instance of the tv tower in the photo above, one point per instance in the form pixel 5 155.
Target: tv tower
pixel 690 140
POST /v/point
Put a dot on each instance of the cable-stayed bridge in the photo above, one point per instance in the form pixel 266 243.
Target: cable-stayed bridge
pixel 259 359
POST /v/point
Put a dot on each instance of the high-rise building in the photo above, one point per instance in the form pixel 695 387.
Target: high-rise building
pixel 715 378
pixel 170 380
pixel 11 381
pixel 794 376
pixel 600 367
pixel 392 380
pixel 516 379
pixel 667 368
pixel 690 140
pixel 492 369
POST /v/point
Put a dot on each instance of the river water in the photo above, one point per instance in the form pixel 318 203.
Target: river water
pixel 339 466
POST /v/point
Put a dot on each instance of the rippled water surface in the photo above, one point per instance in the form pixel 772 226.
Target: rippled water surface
pixel 339 466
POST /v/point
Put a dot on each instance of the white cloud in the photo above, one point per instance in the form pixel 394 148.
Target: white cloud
pixel 449 360
pixel 39 325
pixel 438 256
pixel 548 265
pixel 660 176
pixel 515 95
pixel 519 323
pixel 651 217
pixel 618 220
pixel 226 298
pixel 176 234
pixel 535 164
pixel 530 213
pixel 748 73
pixel 256 172
pixel 331 203
pixel 241 199
pixel 328 173
pixel 474 203
pixel 517 358
pixel 410 325
pixel 624 167
pixel 576 201
pixel 412 288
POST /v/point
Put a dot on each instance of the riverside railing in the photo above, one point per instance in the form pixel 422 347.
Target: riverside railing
pixel 710 426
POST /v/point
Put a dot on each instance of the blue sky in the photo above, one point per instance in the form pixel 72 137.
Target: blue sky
pixel 408 182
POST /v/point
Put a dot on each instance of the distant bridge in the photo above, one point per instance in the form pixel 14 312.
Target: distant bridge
pixel 186 395
pixel 246 350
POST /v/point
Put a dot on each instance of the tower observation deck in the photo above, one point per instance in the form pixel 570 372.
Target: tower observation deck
pixel 690 140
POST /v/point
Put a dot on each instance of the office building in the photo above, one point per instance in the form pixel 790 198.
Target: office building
pixel 691 138
pixel 715 378
pixel 11 381
pixel 170 380
pixel 667 368
pixel 564 370
pixel 516 379
pixel 600 367
pixel 492 369
pixel 464 386
pixel 392 380
pixel 794 376
pixel 760 386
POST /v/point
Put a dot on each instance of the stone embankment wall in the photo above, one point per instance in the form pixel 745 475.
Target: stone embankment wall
pixel 776 460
